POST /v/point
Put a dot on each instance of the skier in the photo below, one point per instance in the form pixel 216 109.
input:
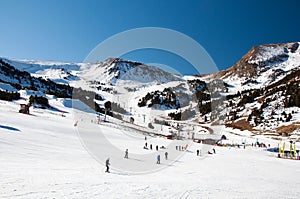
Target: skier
pixel 214 150
pixel 146 144
pixel 151 146
pixel 197 152
pixel 156 147
pixel 107 165
pixel 166 155
pixel 126 154
pixel 158 159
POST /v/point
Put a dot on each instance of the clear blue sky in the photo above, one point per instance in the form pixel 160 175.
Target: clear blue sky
pixel 68 30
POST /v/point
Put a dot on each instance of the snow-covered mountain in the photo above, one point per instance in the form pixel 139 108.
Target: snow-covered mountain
pixel 13 79
pixel 113 69
pixel 263 89
pixel 259 93
pixel 262 66
pixel 106 72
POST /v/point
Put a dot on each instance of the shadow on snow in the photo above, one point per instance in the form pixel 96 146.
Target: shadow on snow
pixel 9 128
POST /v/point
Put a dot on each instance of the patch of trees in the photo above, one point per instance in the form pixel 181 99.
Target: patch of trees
pixel 233 115
pixel 288 78
pixel 166 98
pixel 294 47
pixel 186 114
pixel 250 81
pixel 216 86
pixel 287 117
pixel 98 97
pixel 205 108
pixel 249 96
pixel 117 108
pixel 161 122
pixel 150 126
pixel 289 88
pixel 199 89
pixel 105 89
pixel 87 97
pixel 256 115
pixel 230 97
pixel 292 95
pixel 11 71
pixel 175 115
pixel 197 84
pixel 202 96
pixel 39 100
pixel 130 89
pixel 8 96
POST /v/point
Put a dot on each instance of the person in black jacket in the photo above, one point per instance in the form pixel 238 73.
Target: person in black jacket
pixel 126 154
pixel 107 165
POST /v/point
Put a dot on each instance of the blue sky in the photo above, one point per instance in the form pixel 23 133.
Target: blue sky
pixel 68 30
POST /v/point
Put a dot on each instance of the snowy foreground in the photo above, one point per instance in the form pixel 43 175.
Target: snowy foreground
pixel 42 156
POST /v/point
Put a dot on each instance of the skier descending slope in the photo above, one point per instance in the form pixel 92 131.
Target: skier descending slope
pixel 158 159
pixel 126 154
pixel 107 165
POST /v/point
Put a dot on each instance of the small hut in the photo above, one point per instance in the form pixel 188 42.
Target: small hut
pixel 24 108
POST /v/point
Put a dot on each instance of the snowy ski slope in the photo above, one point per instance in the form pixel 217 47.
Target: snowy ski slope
pixel 42 156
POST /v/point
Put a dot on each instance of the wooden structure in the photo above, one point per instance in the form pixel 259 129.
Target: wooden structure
pixel 24 108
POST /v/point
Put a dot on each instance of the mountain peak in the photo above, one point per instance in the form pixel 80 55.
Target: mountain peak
pixel 259 58
pixel 262 58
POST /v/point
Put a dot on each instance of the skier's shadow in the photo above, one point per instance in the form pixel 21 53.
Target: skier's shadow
pixel 171 164
pixel 136 159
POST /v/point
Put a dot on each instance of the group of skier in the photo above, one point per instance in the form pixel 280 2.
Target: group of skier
pixel 158 157
pixel 107 163
pixel 150 147
pixel 181 148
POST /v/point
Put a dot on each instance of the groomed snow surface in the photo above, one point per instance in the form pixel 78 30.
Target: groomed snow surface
pixel 42 156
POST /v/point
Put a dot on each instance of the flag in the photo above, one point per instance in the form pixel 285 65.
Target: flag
pixel 279 147
pixel 283 148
